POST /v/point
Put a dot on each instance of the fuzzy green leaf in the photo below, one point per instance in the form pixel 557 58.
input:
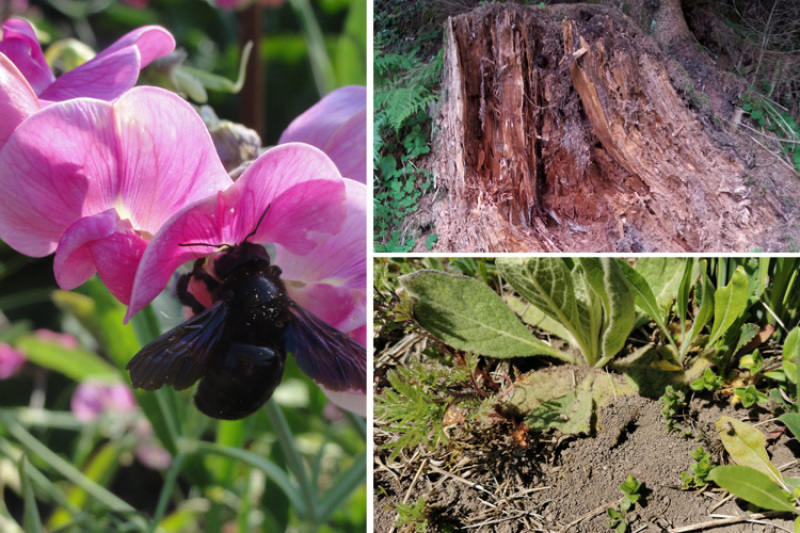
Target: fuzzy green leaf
pixel 729 303
pixel 547 283
pixel 468 315
pixel 605 277
pixel 703 314
pixel 753 486
pixel 645 298
pixel 663 275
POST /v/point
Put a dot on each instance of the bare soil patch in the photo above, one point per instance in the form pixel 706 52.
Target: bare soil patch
pixel 485 482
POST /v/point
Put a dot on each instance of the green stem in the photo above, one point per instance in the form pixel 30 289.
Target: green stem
pixel 293 458
pixel 273 471
pixel 37 448
pixel 321 66
pixel 166 490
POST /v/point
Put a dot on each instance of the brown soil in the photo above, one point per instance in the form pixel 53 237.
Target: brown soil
pixel 482 482
pixel 567 128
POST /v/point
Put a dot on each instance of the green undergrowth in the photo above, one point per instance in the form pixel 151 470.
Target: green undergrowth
pixel 599 327
pixel 407 74
pixel 778 124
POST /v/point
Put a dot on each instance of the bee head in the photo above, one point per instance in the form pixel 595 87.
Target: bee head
pixel 231 258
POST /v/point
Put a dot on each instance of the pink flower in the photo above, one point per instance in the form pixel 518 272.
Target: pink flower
pixel 92 181
pixel 11 360
pixel 316 221
pixel 92 399
pixel 107 76
pixel 337 125
pixel 306 199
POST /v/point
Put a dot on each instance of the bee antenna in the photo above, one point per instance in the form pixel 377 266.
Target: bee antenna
pixel 260 220
pixel 202 244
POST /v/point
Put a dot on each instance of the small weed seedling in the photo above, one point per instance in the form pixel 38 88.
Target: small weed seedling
pixel 411 517
pixel 673 401
pixel 618 516
pixel 708 381
pixel 700 469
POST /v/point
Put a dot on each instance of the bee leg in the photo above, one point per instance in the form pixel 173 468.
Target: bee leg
pixel 187 298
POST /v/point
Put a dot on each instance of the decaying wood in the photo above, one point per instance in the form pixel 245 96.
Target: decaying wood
pixel 561 131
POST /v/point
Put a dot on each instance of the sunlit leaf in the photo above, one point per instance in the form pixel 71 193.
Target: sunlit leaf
pixel 468 315
pixel 753 486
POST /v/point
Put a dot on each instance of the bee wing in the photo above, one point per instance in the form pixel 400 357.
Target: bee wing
pixel 331 358
pixel 180 356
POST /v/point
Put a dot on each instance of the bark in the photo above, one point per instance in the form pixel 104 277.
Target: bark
pixel 560 131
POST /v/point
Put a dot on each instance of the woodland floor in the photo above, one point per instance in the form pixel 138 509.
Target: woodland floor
pixel 485 480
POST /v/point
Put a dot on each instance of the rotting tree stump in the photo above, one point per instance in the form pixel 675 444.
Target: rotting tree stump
pixel 559 130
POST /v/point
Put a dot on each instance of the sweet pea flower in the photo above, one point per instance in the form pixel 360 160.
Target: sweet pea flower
pixel 337 125
pixel 107 76
pixel 92 399
pixel 11 360
pixel 92 181
pixel 311 215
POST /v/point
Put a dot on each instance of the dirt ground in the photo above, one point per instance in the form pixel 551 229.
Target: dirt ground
pixel 564 483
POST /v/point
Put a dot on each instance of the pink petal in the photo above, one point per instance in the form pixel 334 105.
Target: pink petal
pixel 299 184
pixel 17 99
pixel 21 46
pixel 344 309
pixel 353 401
pixel 170 160
pixel 101 243
pixel 337 125
pixel 339 260
pixel 92 399
pixel 11 360
pixel 105 79
pixel 146 156
pixel 59 165
pixel 152 42
pixel 305 194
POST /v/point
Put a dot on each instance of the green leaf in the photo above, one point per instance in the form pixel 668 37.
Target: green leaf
pixel 100 469
pixel 536 317
pixel 36 448
pixel 682 302
pixel 468 315
pixel 664 276
pixel 746 446
pixel 605 277
pixel 75 363
pixel 703 314
pixel 792 421
pixel 791 350
pixel 645 298
pixel 753 486
pixel 31 521
pixel 729 304
pixel 547 283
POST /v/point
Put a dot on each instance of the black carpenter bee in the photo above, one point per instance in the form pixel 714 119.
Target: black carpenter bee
pixel 237 346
